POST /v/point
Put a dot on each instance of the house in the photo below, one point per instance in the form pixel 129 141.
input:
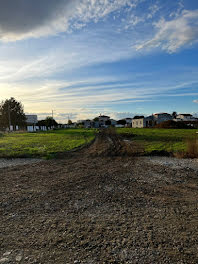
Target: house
pixel 128 121
pixel 103 120
pixel 150 121
pixel 140 122
pixel 162 117
pixel 87 123
pixel 31 119
pixel 113 122
pixel 185 117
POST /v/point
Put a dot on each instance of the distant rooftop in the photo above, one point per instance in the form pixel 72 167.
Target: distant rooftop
pixel 104 116
pixel 161 114
pixel 185 114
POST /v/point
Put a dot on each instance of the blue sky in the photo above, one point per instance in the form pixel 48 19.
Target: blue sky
pixel 86 57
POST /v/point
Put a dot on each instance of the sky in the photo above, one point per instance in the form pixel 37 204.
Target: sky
pixel 81 58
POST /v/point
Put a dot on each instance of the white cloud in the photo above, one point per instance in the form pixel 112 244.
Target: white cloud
pixel 174 34
pixel 195 101
pixel 153 10
pixel 25 19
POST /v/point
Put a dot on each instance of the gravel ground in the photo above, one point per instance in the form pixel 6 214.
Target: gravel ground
pixel 87 209
pixel 16 162
pixel 174 162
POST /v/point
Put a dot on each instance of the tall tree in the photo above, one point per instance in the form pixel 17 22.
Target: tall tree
pixel 174 114
pixel 50 122
pixel 70 122
pixel 12 113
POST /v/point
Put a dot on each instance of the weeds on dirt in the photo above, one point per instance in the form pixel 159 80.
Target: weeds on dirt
pixel 110 143
pixel 155 139
pixel 191 149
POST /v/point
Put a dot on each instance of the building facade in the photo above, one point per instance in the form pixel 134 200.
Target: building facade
pixel 151 121
pixel 185 117
pixel 31 119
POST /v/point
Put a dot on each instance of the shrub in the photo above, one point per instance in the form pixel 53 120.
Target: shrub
pixel 191 149
pixel 172 124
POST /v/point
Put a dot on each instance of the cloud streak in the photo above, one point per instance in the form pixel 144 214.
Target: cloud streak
pixel 87 96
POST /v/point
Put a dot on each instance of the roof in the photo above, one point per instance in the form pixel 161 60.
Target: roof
pixel 103 116
pixel 185 114
pixel 138 117
pixel 161 114
pixel 31 115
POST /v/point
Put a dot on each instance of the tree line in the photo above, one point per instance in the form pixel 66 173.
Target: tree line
pixel 12 114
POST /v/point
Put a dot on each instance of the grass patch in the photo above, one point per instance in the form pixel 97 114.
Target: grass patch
pixel 161 140
pixel 43 144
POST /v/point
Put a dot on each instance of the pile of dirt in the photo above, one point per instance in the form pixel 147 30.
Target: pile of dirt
pixel 109 143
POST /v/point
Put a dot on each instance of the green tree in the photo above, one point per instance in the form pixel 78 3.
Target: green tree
pixel 50 122
pixel 108 123
pixel 174 114
pixel 70 122
pixel 12 113
pixel 121 122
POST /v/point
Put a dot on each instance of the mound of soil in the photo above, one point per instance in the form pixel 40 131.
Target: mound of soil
pixel 109 143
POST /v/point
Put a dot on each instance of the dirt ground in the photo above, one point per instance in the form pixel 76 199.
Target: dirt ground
pixel 85 208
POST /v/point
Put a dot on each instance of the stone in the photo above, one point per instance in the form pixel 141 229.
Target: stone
pixel 18 258
pixel 3 260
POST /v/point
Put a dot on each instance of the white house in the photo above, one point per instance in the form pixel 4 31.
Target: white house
pixel 141 122
pixel 151 121
pixel 31 121
pixel 185 117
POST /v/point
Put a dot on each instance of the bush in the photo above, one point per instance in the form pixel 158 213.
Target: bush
pixel 191 149
pixel 172 124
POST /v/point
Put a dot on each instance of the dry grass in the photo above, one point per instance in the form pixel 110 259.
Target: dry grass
pixel 191 149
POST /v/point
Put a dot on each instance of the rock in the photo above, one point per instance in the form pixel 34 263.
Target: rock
pixel 19 258
pixel 7 253
pixel 3 260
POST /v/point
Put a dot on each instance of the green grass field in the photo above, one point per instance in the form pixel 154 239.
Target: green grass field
pixel 43 144
pixel 170 140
